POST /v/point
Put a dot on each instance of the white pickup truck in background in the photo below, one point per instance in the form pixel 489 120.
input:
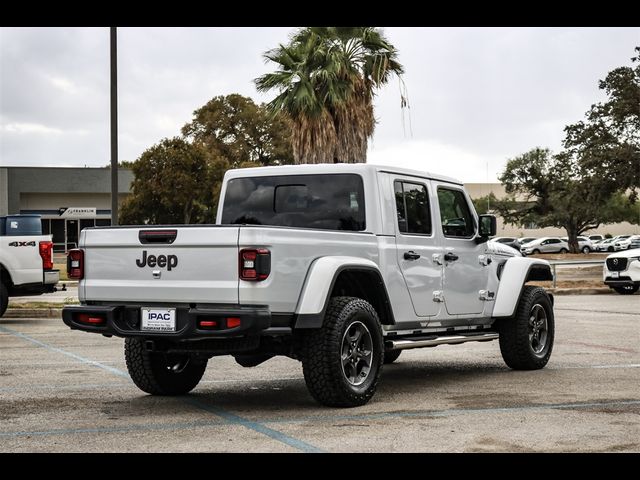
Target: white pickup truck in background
pixel 26 259
pixel 339 266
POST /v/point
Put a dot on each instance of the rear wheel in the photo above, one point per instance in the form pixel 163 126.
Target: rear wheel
pixel 4 299
pixel 586 250
pixel 391 356
pixel 627 289
pixel 342 360
pixel 526 340
pixel 162 373
pixel 563 250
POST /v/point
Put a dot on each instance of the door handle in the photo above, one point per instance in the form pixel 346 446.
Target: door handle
pixel 411 255
pixel 450 257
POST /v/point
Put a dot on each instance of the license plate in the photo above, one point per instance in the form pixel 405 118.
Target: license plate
pixel 615 274
pixel 158 319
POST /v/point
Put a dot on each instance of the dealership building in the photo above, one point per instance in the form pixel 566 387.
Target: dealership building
pixel 70 199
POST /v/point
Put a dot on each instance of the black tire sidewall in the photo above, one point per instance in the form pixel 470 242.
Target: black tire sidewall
pixel 391 356
pixel 4 299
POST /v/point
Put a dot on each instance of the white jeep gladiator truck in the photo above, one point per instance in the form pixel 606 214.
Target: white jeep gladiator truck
pixel 339 266
pixel 26 259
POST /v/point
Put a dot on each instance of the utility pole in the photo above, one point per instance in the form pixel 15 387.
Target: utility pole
pixel 114 124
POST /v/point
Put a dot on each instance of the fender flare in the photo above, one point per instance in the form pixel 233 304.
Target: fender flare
pixel 319 283
pixel 514 274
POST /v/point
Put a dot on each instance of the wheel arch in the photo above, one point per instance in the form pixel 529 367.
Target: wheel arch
pixel 5 276
pixel 341 276
pixel 515 273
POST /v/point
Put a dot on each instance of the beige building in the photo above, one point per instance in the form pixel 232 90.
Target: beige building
pixel 477 190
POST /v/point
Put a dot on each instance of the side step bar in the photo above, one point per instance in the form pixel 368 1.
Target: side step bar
pixel 435 340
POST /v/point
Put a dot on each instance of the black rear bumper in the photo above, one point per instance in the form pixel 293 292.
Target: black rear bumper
pixel 125 321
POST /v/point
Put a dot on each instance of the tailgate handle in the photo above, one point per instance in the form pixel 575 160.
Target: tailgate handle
pixel 157 237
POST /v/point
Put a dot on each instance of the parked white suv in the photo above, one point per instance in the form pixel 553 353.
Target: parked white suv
pixel 622 271
pixel 339 266
pixel 584 244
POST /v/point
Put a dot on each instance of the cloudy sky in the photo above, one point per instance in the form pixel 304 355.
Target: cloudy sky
pixel 478 95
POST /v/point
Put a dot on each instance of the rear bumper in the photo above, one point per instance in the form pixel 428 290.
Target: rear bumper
pixel 124 321
pixel 51 277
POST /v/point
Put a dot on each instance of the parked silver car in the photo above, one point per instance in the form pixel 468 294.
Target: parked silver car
pixel 610 245
pixel 585 244
pixel 545 245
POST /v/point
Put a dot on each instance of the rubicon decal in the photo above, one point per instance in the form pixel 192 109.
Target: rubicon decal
pixel 161 261
pixel 23 244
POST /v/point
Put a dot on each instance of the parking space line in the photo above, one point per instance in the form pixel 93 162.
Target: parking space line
pixel 229 417
pixel 128 428
pixel 51 348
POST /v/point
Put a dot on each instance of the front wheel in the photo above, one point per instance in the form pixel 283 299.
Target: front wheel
pixel 342 360
pixel 586 250
pixel 627 289
pixel 526 340
pixel 536 252
pixel 161 373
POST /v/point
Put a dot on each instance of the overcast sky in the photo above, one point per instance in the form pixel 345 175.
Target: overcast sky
pixel 478 95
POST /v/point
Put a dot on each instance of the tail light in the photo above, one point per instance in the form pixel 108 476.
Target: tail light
pixel 75 264
pixel 46 252
pixel 255 264
pixel 91 319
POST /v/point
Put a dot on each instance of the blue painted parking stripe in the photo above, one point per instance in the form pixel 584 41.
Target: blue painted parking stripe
pixel 256 426
pixel 51 348
pixel 128 428
pixel 230 417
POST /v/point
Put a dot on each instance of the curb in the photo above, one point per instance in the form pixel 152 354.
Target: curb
pixel 33 313
pixel 581 291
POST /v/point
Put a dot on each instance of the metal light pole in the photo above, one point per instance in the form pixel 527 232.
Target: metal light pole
pixel 114 125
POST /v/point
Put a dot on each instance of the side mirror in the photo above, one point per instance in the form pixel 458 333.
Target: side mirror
pixel 487 226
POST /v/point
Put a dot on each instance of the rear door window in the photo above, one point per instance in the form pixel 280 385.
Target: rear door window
pixel 412 207
pixel 330 201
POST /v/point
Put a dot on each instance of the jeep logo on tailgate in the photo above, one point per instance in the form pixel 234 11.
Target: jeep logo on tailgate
pixel 162 261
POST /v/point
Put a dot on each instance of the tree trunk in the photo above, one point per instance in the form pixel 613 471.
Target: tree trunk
pixel 572 233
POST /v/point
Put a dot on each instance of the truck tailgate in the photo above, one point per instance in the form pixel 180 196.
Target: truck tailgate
pixel 200 265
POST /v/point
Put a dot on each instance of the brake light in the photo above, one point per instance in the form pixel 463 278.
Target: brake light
pixel 255 264
pixel 46 253
pixel 90 319
pixel 75 264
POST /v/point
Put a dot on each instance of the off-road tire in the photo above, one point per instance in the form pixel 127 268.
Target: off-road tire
pixel 151 372
pixel 515 342
pixel 391 356
pixel 322 348
pixel 4 299
pixel 627 289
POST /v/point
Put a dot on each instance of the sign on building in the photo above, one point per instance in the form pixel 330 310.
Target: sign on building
pixel 77 212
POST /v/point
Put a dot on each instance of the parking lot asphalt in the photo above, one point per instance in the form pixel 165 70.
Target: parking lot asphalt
pixel 68 391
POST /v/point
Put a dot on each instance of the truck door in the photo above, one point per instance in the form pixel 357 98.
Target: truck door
pixel 464 272
pixel 416 243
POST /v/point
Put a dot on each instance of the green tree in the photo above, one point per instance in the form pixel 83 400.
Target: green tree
pixel 241 131
pixel 485 204
pixel 326 80
pixel 175 182
pixel 551 191
pixel 607 143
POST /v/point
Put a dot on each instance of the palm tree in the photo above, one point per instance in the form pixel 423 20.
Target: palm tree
pixel 326 80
